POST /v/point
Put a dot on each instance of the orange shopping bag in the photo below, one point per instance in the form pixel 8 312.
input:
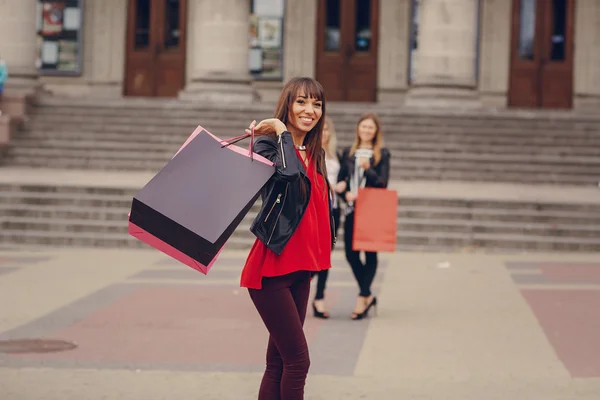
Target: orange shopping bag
pixel 375 220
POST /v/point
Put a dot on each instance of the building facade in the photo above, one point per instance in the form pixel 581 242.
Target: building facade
pixel 497 53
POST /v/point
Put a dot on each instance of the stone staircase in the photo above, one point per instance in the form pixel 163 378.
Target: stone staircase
pixel 514 147
pixel 554 148
pixel 39 215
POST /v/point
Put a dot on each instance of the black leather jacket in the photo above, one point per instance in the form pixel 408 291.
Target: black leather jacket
pixel 376 177
pixel 283 204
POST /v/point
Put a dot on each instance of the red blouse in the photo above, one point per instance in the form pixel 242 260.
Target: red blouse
pixel 309 248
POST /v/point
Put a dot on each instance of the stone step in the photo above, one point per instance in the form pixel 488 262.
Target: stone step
pixel 48 189
pixel 61 215
pixel 31 238
pixel 51 198
pixel 500 227
pixel 440 143
pixel 491 162
pixel 406 214
pixel 178 135
pixel 65 225
pixel 420 171
pixel 79 163
pixel 443 174
pixel 231 127
pixel 77 226
pixel 128 108
pixel 551 217
pixel 411 168
pixel 404 224
pixel 45 211
pixel 498 242
pixel 21 247
pixel 85 200
pixel 58 238
pixel 162 153
pixel 451 241
pixel 537 118
pixel 234 127
pixel 244 238
pixel 109 194
pixel 477 205
pixel 171 144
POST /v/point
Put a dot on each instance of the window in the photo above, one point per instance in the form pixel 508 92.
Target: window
pixel 527 30
pixel 142 24
pixel 172 23
pixel 332 26
pixel 362 34
pixel 59 33
pixel 265 58
pixel 559 30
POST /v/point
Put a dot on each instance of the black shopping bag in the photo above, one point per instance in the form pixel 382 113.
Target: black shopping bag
pixel 195 202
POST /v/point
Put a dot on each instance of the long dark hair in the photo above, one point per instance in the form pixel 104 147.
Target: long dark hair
pixel 313 141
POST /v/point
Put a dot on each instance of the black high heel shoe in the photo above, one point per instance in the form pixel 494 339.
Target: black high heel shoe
pixel 319 314
pixel 365 313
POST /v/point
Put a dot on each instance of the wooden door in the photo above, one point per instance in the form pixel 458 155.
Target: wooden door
pixel 347 37
pixel 156 37
pixel 542 54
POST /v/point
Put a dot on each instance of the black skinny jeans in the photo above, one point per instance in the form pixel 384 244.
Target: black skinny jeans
pixel 364 273
pixel 282 303
pixel 322 275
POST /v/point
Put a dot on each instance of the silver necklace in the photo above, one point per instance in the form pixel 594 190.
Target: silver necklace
pixel 301 148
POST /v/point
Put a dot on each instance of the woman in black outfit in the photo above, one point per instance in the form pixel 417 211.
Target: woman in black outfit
pixel 365 164
pixel 294 233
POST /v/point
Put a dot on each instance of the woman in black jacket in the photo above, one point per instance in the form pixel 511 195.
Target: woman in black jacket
pixel 365 164
pixel 294 232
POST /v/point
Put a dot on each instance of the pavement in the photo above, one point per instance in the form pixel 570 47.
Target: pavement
pixel 450 326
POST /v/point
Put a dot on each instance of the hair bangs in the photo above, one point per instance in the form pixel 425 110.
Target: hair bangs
pixel 311 89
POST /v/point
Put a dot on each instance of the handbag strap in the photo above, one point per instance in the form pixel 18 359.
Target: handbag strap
pixel 236 139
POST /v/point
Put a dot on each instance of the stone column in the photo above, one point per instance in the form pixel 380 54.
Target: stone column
pixel 394 38
pixel 300 38
pixel 446 55
pixel 217 68
pixel 18 39
pixel 587 56
pixel 494 60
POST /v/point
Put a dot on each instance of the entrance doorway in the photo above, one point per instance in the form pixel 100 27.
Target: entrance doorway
pixel 156 38
pixel 347 36
pixel 541 73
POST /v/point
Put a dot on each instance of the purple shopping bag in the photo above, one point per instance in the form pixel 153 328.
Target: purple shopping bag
pixel 195 202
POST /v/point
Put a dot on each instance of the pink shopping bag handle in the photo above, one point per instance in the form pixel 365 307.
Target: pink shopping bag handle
pixel 242 137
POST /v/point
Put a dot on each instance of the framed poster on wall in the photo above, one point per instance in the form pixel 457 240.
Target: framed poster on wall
pixel 60 37
pixel 266 39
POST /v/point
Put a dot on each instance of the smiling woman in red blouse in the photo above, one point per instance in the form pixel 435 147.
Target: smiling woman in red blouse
pixel 294 233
